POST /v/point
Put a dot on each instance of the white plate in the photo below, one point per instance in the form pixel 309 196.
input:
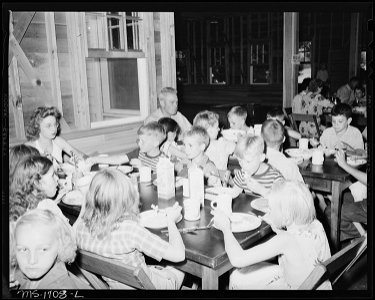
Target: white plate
pixel 155 220
pixel 260 204
pixel 356 162
pixel 179 182
pixel 241 222
pixel 213 192
pixel 297 160
pixel 295 152
pixel 123 169
pixel 231 134
pixel 73 198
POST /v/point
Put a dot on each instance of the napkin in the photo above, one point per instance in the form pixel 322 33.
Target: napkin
pixel 359 191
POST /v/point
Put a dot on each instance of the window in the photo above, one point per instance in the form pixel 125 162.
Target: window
pixel 259 62
pixel 304 52
pixel 117 92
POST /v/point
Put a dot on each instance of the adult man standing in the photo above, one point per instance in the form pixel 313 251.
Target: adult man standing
pixel 346 92
pixel 168 108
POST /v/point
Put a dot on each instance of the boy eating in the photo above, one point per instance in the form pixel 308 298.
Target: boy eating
pixel 255 176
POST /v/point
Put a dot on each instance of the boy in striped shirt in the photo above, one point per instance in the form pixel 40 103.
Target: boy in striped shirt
pixel 256 176
pixel 150 137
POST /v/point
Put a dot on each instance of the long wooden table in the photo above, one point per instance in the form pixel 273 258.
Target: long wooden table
pixel 205 252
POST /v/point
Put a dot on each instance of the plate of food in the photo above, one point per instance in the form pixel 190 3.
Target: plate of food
pixel 260 204
pixel 296 152
pixel 155 218
pixel 74 197
pixel 231 134
pixel 297 160
pixel 242 222
pixel 355 161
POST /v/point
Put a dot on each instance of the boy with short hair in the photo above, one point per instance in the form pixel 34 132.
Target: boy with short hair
pixel 255 176
pixel 273 135
pixel 237 119
pixel 220 149
pixel 342 135
pixel 150 137
pixel 277 114
pixel 196 141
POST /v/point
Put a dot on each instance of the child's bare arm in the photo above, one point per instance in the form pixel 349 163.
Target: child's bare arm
pixel 292 133
pixel 177 152
pixel 176 250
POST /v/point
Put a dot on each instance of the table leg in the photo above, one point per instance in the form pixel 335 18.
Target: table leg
pixel 336 214
pixel 210 279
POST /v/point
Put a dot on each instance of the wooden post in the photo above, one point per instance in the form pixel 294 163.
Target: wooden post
pixel 290 71
pixel 168 50
pixel 353 54
pixel 53 59
pixel 78 69
pixel 147 44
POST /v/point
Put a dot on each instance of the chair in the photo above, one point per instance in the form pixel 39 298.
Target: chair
pixel 340 262
pixel 91 264
pixel 303 117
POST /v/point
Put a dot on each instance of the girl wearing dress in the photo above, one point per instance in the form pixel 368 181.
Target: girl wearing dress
pixel 300 242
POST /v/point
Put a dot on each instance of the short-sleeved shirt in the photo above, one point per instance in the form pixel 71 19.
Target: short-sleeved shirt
pixel 126 243
pixel 218 152
pixel 287 167
pixel 181 120
pixel 266 178
pixel 149 161
pixel 352 137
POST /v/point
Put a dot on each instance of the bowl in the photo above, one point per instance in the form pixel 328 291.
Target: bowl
pixel 296 152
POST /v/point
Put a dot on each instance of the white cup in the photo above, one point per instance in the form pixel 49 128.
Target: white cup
pixel 317 157
pixel 144 174
pixel 257 129
pixel 192 209
pixel 185 187
pixel 303 144
pixel 224 203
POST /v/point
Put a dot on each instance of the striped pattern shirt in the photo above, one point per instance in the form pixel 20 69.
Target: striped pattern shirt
pixel 127 243
pixel 267 178
pixel 149 161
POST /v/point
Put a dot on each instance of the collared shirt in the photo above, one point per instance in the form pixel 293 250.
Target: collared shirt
pixel 352 136
pixel 266 178
pixel 181 120
pixel 127 243
pixel 287 167
pixel 56 278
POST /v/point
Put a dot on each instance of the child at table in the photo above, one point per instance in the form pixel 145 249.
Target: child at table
pixel 43 133
pixel 170 148
pixel 277 114
pixel 33 185
pixel 341 135
pixel 196 141
pixel 110 227
pixel 300 242
pixel 43 244
pixel 219 150
pixel 255 175
pixel 237 119
pixel 273 135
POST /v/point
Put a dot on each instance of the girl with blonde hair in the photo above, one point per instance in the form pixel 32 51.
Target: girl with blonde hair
pixel 300 242
pixel 109 227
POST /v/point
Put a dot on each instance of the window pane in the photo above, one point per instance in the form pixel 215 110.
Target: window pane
pixel 123 83
pixel 114 33
pixel 132 33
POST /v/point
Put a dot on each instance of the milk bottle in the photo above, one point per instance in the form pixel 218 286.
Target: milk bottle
pixel 165 178
pixel 196 183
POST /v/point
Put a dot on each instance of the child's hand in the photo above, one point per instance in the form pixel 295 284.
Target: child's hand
pixel 340 158
pixel 255 186
pixel 173 213
pixel 221 220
